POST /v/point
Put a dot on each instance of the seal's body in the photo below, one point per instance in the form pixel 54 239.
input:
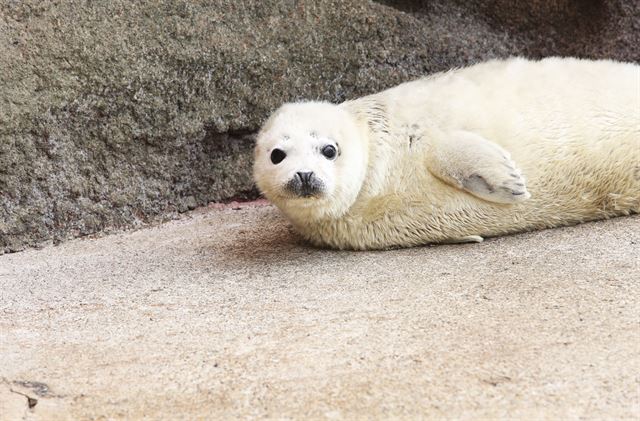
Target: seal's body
pixel 495 148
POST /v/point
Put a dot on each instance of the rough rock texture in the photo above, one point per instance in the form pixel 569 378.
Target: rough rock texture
pixel 114 113
pixel 226 315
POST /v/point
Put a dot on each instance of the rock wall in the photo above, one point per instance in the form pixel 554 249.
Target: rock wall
pixel 113 114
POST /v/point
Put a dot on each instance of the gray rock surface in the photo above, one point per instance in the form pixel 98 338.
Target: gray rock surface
pixel 225 314
pixel 116 113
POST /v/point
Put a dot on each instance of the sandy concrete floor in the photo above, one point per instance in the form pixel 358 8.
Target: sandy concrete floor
pixel 226 314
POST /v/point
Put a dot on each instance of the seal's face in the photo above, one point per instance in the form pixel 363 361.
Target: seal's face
pixel 303 165
pixel 309 158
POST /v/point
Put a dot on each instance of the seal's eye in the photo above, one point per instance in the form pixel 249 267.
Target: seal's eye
pixel 277 156
pixel 329 151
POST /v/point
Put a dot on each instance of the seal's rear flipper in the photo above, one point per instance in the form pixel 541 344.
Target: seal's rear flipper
pixel 474 164
pixel 467 239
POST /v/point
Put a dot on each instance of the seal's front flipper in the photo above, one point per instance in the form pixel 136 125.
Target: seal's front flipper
pixel 472 163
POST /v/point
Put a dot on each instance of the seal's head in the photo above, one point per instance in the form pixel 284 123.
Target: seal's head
pixel 310 159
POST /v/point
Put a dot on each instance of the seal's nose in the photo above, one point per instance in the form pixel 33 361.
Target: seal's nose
pixel 305 177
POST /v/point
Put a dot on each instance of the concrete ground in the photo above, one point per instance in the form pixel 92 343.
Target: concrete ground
pixel 226 314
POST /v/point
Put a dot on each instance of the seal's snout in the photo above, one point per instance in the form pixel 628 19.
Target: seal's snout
pixel 305 184
pixel 305 177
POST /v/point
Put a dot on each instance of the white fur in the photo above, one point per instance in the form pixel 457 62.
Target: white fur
pixel 496 148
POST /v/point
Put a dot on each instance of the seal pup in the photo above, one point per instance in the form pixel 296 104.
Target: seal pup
pixel 496 148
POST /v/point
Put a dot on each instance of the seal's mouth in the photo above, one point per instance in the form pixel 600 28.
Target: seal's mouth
pixel 305 185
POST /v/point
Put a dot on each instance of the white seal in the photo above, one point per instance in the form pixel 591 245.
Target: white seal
pixel 500 147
